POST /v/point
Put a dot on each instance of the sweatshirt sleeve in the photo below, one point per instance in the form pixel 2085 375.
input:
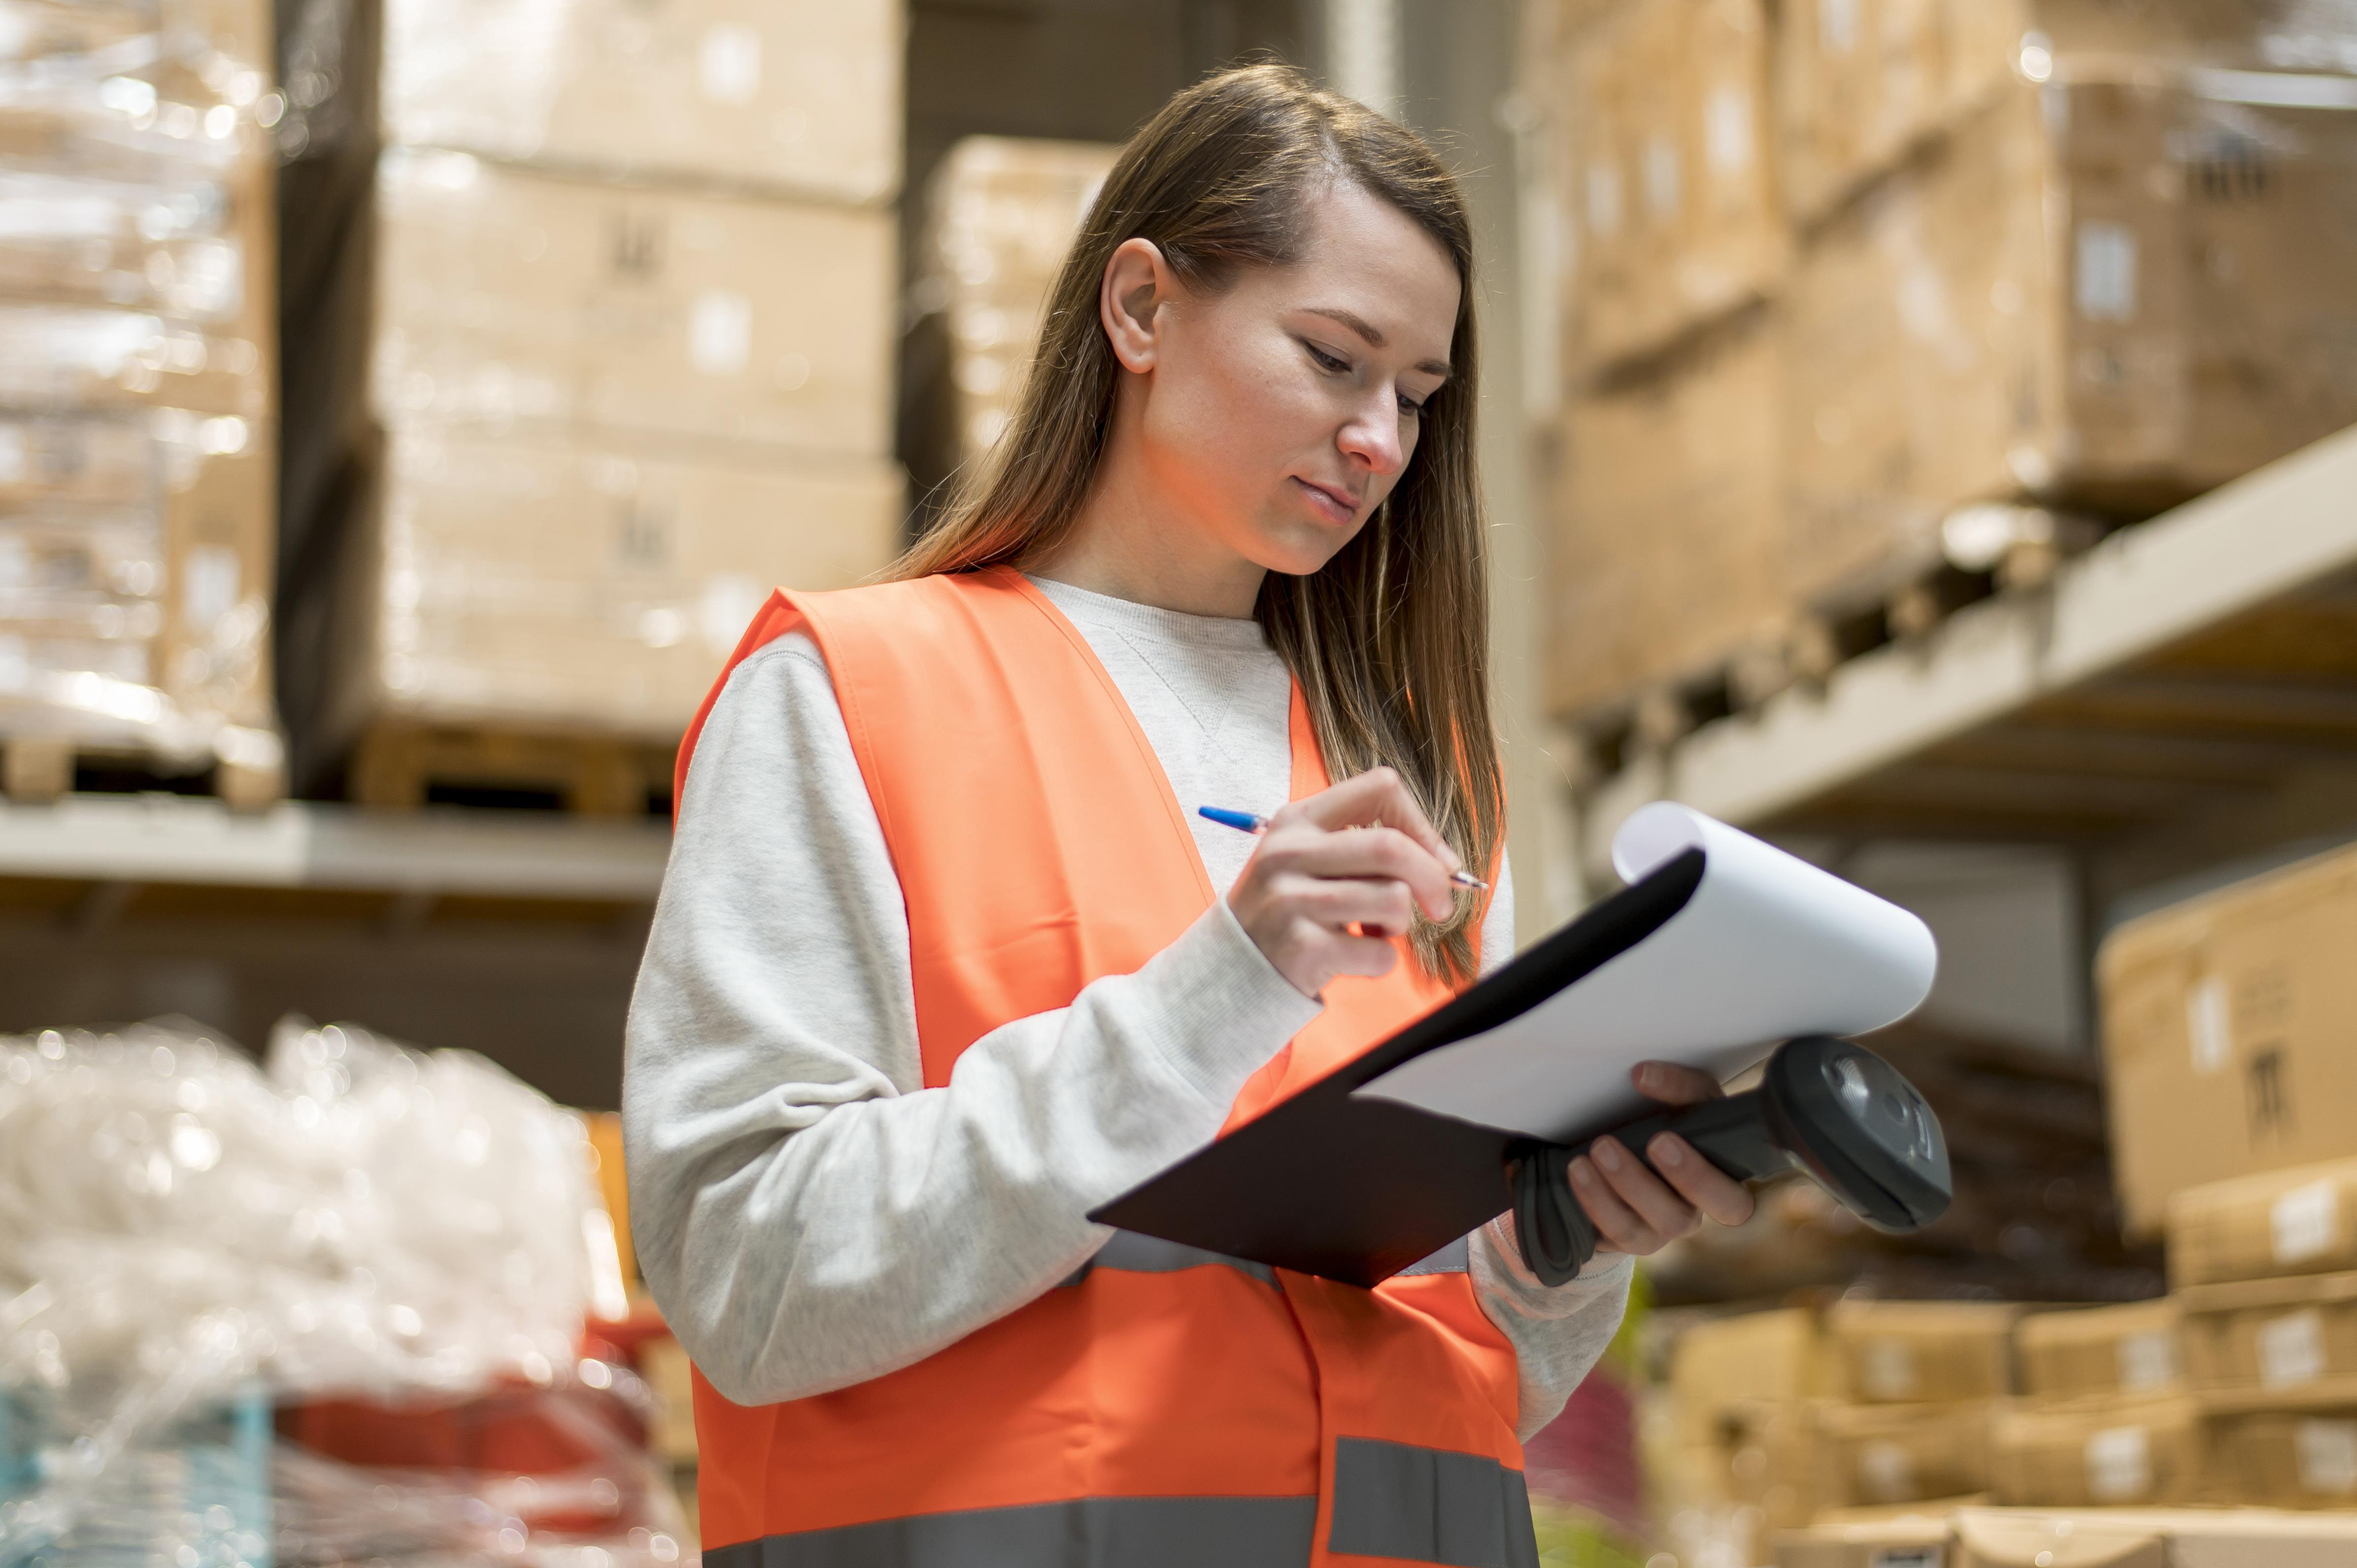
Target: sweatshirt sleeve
pixel 1557 1333
pixel 807 1213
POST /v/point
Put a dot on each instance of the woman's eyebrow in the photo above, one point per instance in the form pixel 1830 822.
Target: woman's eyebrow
pixel 1375 340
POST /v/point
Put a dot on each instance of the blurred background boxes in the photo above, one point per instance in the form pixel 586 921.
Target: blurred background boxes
pixel 1667 149
pixel 2224 1037
pixel 137 403
pixel 798 97
pixel 2106 1451
pixel 2132 1349
pixel 1923 1352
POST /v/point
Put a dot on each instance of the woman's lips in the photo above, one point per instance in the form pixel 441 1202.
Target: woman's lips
pixel 1336 506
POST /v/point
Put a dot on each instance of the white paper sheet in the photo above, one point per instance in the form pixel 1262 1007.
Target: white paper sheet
pixel 1769 947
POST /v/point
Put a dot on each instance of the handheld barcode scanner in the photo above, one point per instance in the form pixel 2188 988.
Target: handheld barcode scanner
pixel 1827 1107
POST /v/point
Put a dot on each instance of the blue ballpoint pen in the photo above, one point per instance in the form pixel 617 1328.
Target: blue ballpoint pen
pixel 1250 823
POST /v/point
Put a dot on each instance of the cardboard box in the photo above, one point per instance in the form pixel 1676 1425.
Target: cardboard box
pixel 668 1372
pixel 2105 295
pixel 1894 1352
pixel 2281 1338
pixel 1751 1358
pixel 2102 1450
pixel 2302 1459
pixel 136 579
pixel 2103 1537
pixel 1862 82
pixel 1885 1454
pixel 1671 190
pixel 2223 1045
pixel 514 299
pixel 1774 1460
pixel 1000 217
pixel 1908 1540
pixel 800 96
pixel 579 587
pixel 1667 541
pixel 2129 1349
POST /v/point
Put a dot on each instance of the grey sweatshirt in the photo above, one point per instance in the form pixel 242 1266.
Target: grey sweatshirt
pixel 808 1214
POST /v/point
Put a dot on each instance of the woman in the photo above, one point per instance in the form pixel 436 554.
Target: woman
pixel 945 958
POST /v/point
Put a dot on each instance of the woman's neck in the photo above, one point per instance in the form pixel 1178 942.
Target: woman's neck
pixel 1132 543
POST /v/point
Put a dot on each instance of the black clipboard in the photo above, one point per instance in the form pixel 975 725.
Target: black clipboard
pixel 1357 1189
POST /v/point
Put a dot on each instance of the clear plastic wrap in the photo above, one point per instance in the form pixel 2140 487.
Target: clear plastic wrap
pixel 136 407
pixel 177 1225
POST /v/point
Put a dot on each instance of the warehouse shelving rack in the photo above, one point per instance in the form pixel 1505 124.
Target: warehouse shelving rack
pixel 2182 697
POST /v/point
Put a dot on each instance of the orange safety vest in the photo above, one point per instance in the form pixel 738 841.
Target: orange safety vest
pixel 1165 1407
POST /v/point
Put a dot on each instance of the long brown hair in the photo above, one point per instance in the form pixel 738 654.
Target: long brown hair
pixel 1389 640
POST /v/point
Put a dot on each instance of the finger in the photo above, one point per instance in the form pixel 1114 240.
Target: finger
pixel 1675 1085
pixel 1369 956
pixel 1616 1223
pixel 1382 906
pixel 1636 1185
pixel 1378 796
pixel 1699 1181
pixel 1375 852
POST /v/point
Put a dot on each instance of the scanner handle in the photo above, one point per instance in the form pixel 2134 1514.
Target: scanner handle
pixel 1556 1236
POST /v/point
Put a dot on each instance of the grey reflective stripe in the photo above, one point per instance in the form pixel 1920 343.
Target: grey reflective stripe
pixel 1454 1258
pixel 1138 1254
pixel 1088 1532
pixel 1428 1505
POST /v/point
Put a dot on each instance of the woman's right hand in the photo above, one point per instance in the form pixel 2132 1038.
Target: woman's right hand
pixel 1360 853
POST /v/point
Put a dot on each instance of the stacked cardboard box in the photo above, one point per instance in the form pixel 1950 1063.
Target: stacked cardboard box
pixel 2266 1273
pixel 137 391
pixel 2030 264
pixel 2222 1036
pixel 629 326
pixel 2117 1538
pixel 1000 215
pixel 1667 543
pixel 2106 1419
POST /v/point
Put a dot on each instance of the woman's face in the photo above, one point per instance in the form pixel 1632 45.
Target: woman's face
pixel 1276 415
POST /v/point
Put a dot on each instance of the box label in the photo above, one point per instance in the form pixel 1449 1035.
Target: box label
pixel 2327 1456
pixel 1887 1368
pixel 1908 1557
pixel 1886 1472
pixel 2119 1464
pixel 2209 1025
pixel 2291 1348
pixel 2107 272
pixel 2305 1221
pixel 2147 1360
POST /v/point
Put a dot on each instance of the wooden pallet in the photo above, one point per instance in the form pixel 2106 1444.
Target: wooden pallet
pixel 399 766
pixel 35 770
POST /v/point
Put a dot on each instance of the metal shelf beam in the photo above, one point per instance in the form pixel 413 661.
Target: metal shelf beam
pixel 163 838
pixel 2065 661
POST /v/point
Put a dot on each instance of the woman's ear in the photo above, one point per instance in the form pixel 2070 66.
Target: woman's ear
pixel 1137 283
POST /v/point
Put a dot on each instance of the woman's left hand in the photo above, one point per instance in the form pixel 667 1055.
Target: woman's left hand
pixel 1638 1212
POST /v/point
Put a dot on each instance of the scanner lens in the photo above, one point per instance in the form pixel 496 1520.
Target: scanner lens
pixel 1885 1107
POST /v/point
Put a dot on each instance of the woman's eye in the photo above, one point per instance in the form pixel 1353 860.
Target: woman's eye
pixel 1410 407
pixel 1325 361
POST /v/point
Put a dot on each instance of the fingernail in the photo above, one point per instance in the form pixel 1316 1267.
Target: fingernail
pixel 1665 1150
pixel 1583 1173
pixel 1608 1154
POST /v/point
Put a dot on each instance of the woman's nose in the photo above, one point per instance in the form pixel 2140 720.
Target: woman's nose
pixel 1373 434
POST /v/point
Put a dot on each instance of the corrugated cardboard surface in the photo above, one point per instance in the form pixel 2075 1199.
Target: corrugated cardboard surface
pixel 2103 1450
pixel 1667 541
pixel 1861 82
pixel 2304 1459
pixel 2130 1349
pixel 2297 1221
pixel 798 96
pixel 1899 1352
pixel 1000 217
pixel 2225 1048
pixel 2111 294
pixel 2098 1538
pixel 582 585
pixel 1671 187
pixel 1756 1355
pixel 509 298
pixel 2285 1338
pixel 1903 1454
